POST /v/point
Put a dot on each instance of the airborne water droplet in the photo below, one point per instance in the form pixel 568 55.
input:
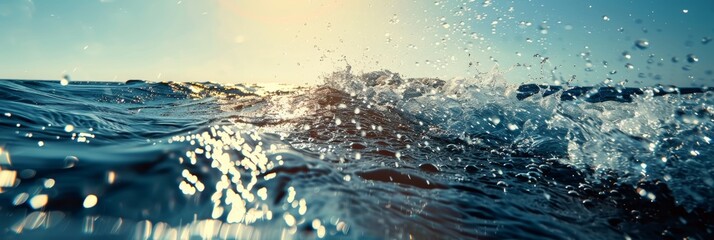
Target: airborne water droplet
pixel 90 201
pixel 38 201
pixel 49 183
pixel 706 40
pixel 20 199
pixel 642 44
pixel 692 58
pixel 626 55
pixel 65 80
pixel 70 161
pixel 289 219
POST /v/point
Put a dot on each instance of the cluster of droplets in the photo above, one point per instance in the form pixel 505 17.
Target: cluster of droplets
pixel 456 34
pixel 635 139
pixel 474 27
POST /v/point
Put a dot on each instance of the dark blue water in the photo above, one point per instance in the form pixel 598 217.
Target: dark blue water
pixel 370 156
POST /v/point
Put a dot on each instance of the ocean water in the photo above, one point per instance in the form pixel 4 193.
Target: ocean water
pixel 360 156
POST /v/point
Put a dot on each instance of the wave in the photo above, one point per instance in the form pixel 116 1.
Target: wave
pixel 641 133
pixel 356 156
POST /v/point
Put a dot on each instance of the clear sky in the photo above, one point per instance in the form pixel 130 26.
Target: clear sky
pixel 297 41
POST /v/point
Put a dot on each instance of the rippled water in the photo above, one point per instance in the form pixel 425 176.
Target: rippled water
pixel 362 156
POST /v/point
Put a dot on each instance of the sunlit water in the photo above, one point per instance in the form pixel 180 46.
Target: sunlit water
pixel 362 156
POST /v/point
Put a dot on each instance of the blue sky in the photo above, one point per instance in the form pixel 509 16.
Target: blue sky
pixel 298 41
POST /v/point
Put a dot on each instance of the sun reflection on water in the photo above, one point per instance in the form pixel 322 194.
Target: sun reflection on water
pixel 243 160
pixel 232 168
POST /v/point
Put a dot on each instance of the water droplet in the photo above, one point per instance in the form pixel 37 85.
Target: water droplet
pixel 321 232
pixel 70 161
pixel 38 201
pixel 641 191
pixel 706 40
pixel 20 199
pixel 495 120
pixel 90 201
pixel 394 19
pixel 27 173
pixel 605 18
pixel 49 183
pixel 68 128
pixel 626 55
pixel 289 219
pixel 692 58
pixel 111 177
pixel 642 44
pixel 316 223
pixel 65 80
